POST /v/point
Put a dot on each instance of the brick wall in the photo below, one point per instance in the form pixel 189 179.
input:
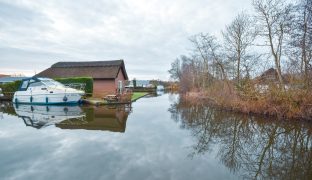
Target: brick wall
pixel 103 87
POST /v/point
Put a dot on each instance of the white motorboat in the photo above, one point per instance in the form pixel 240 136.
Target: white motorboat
pixel 45 91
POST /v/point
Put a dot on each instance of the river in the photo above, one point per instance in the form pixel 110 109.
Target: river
pixel 162 137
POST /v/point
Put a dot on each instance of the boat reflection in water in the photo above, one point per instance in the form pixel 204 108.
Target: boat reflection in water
pixel 74 117
pixel 42 116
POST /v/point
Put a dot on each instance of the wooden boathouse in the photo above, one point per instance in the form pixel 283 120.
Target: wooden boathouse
pixel 107 75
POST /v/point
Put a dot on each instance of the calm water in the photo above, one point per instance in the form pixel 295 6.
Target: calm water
pixel 160 137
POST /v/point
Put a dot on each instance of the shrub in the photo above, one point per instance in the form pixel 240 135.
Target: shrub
pixel 10 87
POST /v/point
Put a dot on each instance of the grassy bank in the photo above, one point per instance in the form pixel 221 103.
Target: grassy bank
pixel 138 95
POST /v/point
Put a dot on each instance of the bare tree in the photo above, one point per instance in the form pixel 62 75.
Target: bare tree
pixel 301 42
pixel 238 37
pixel 213 48
pixel 274 17
pixel 175 71
pixel 201 51
pixel 185 70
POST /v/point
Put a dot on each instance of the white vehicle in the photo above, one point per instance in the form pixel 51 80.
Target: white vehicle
pixel 160 88
pixel 1 95
pixel 45 91
pixel 39 116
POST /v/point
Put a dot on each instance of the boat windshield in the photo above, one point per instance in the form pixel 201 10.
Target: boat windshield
pixel 52 83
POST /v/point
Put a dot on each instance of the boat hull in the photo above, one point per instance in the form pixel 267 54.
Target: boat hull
pixel 61 98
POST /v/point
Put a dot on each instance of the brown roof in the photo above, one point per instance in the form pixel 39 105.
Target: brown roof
pixel 4 75
pixel 270 76
pixel 94 69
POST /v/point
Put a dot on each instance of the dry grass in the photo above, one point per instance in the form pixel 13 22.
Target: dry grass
pixel 290 104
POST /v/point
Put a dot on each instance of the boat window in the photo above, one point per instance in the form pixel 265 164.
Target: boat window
pixel 24 84
pixel 36 84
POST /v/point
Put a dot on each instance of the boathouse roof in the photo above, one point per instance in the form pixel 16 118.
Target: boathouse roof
pixel 94 69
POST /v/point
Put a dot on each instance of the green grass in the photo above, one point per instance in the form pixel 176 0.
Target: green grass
pixel 137 95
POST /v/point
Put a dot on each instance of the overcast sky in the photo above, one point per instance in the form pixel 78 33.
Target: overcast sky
pixel 147 34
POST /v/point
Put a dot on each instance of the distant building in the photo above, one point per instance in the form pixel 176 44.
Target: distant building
pixel 107 75
pixel 4 75
pixel 4 80
pixel 140 83
pixel 269 78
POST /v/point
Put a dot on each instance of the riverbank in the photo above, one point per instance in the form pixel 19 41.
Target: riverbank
pixel 290 105
pixel 138 95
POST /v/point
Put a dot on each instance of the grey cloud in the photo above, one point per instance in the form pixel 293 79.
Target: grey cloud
pixel 14 18
pixel 15 15
pixel 148 35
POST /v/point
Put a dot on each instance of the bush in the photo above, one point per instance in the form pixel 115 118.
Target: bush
pixel 88 81
pixel 10 87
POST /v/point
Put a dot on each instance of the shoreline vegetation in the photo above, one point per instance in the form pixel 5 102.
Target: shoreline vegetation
pixel 284 106
pixel 262 63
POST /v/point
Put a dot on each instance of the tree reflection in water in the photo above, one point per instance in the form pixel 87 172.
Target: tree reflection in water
pixel 254 147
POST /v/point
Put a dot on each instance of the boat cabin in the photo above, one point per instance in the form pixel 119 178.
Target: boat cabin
pixel 35 83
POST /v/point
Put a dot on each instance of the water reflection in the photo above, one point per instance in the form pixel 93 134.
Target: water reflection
pixel 249 146
pixel 43 116
pixel 106 118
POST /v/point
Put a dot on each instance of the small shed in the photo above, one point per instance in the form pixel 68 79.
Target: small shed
pixel 107 75
pixel 270 76
pixel 4 75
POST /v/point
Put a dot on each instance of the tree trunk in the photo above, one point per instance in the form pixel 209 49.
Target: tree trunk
pixel 279 74
pixel 304 54
pixel 238 66
pixel 224 76
pixel 275 56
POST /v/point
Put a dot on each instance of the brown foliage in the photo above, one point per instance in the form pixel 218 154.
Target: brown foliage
pixel 290 104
